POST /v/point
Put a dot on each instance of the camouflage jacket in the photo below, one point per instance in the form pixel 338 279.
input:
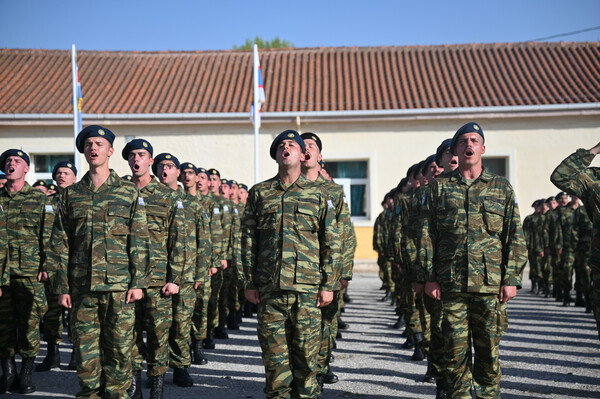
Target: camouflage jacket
pixel 378 233
pixel 474 241
pixel 226 213
pixel 161 205
pixel 289 237
pixel 414 229
pixel 536 232
pixel 584 231
pixel 195 253
pixel 212 209
pixel 4 268
pixel 553 230
pixel 29 215
pixel 100 237
pixel 574 176
pixel 568 235
pixel 398 228
pixel 238 211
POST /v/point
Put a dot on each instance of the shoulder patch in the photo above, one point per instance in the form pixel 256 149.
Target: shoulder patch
pixel 516 202
pixel 423 199
pixel 345 200
pixel 141 201
pixel 49 208
pixel 236 211
pixel 216 211
pixel 329 203
pixel 179 204
pixel 225 208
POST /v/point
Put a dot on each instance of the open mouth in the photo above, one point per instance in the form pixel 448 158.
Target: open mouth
pixel 164 175
pixel 93 155
pixel 286 154
pixel 11 170
pixel 136 167
pixel 469 152
pixel 307 156
pixel 454 162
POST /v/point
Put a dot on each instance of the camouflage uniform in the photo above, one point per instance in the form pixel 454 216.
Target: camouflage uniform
pixel 229 275
pixel 154 310
pixel 574 176
pixel 100 244
pixel 404 292
pixel 536 237
pixel 582 253
pixel 233 293
pixel 194 258
pixel 289 240
pixel 29 215
pixel 380 234
pixel 566 244
pixel 473 245
pixel 550 253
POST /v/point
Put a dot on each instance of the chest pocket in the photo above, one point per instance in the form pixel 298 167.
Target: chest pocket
pixel 31 214
pixel 118 218
pixel 447 218
pixel 157 216
pixel 268 218
pixel 307 216
pixel 493 215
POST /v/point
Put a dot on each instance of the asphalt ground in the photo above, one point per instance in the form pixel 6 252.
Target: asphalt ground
pixel 549 351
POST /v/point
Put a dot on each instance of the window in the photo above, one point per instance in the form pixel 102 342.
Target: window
pixel 496 165
pixel 352 176
pixel 45 163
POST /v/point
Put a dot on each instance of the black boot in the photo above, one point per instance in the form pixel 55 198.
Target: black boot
pixel 25 378
pixel 232 322
pixel 404 333
pixel 247 310
pixel 182 378
pixel 238 316
pixel 221 332
pixel 52 359
pixel 440 388
pixel 209 342
pixel 347 298
pixel 320 384
pixel 135 389
pixel 9 380
pixel 559 294
pixel 547 290
pixel 532 286
pixel 540 288
pixel 567 297
pixel 429 374
pixel 388 295
pixel 579 301
pixel 409 343
pixel 342 325
pixel 199 356
pixel 399 323
pixel 72 363
pixel 418 354
pixel 330 378
pixel 156 386
pixel 588 303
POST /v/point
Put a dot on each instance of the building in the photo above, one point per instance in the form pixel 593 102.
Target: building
pixel 378 110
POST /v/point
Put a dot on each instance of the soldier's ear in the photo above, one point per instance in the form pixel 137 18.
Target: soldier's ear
pixel 483 149
pixel 111 151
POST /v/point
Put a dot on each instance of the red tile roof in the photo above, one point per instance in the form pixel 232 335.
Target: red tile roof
pixel 308 79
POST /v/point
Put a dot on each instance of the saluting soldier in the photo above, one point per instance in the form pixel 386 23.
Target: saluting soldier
pixel 100 244
pixel 288 238
pixel 474 254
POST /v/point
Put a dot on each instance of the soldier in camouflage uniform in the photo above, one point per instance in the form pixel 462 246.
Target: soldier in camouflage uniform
pixel 567 239
pixel 551 249
pixel 289 239
pixel 329 313
pixel 65 174
pixel 473 257
pixel 576 177
pixel 100 246
pixel 230 273
pixel 582 253
pixel 235 294
pixel 163 276
pixel 29 215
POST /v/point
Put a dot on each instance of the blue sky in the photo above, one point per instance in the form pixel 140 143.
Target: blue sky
pixel 203 25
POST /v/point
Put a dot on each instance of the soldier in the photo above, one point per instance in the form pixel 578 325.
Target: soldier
pixel 243 193
pixel 28 221
pixel 154 311
pixel 235 296
pixel 583 225
pixel 576 177
pixel 100 241
pixel 288 249
pixel 566 246
pixel 551 247
pixel 474 254
pixel 230 273
pixel 329 313
pixel 65 174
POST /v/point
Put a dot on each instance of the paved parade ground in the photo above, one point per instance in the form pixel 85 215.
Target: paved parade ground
pixel 549 351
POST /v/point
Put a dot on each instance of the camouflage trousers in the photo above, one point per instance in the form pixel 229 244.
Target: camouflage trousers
pixel 216 283
pixel 289 329
pixel 329 315
pixel 229 275
pixel 200 316
pixel 233 292
pixel 535 267
pixel 477 320
pixel 435 356
pixel 563 277
pixel 181 329
pixel 153 314
pixel 547 268
pixel 22 306
pixel 102 326
pixel 595 297
pixel 386 273
pixel 582 273
pixel 52 321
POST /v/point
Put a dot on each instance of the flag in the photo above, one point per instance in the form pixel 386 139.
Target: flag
pixel 79 97
pixel 259 97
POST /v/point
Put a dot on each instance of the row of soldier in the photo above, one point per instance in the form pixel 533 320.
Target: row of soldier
pixel 125 258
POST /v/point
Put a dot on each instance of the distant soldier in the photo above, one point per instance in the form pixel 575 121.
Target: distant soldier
pixel 551 250
pixel 566 246
pixel 65 175
pixel 582 254
pixel 28 214
pixel 576 177
pixel 288 249
pixel 2 179
pixel 474 254
pixel 100 244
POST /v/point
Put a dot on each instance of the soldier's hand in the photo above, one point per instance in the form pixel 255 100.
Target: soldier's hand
pixel 418 288
pixel 170 289
pixel 324 298
pixel 64 300
pixel 197 284
pixel 0 292
pixel 344 283
pixel 223 264
pixel 559 252
pixel 252 296
pixel 134 294
pixel 595 150
pixel 507 292
pixel 432 288
pixel 212 271
pixel 42 276
pixel 542 254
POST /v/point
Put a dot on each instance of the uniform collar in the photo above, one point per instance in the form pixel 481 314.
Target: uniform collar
pixel 151 186
pixel 26 190
pixel 455 175
pixel 301 182
pixel 113 180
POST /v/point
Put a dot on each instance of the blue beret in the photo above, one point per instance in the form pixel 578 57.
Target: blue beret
pixel 52 187
pixel 137 144
pixel 428 161
pixel 213 171
pixel 127 177
pixel 440 150
pixel 63 164
pixel 242 185
pixel 203 170
pixel 13 153
pixel 165 156
pixel 286 135
pixel 2 176
pixel 560 194
pixel 93 131
pixel 39 183
pixel 314 137
pixel 232 182
pixel 225 181
pixel 470 127
pixel 188 165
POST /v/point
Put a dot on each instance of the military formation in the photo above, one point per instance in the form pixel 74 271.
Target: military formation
pixel 145 271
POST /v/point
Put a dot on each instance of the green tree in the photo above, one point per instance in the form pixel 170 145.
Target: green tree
pixel 261 43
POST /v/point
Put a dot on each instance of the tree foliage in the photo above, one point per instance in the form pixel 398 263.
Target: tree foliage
pixel 261 43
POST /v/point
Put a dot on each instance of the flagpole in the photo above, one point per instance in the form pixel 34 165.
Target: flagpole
pixel 256 111
pixel 76 128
